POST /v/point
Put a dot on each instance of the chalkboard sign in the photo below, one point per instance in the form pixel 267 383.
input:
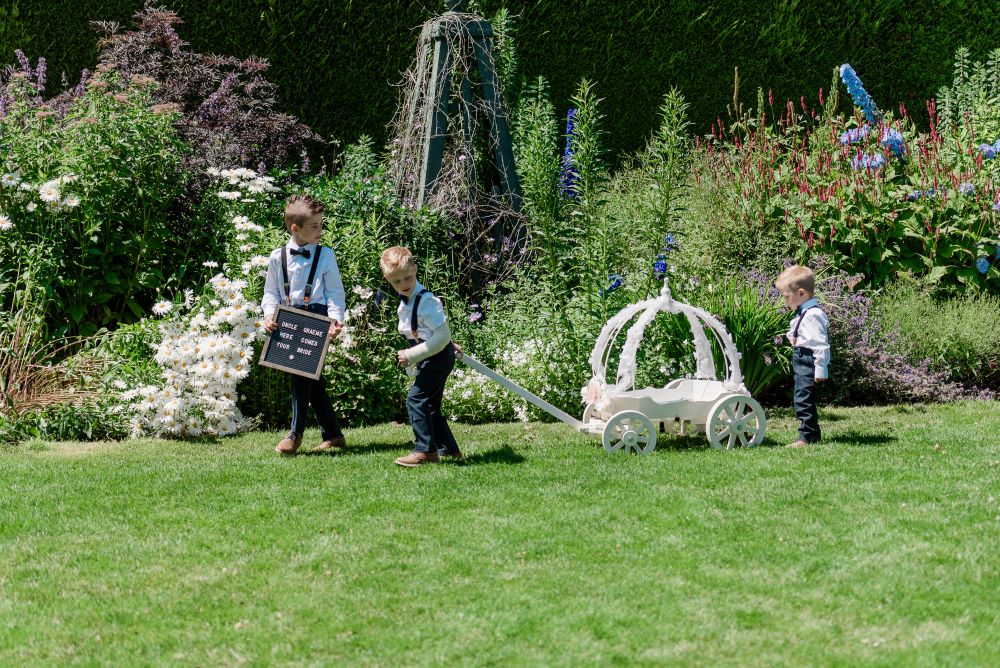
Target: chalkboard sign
pixel 299 343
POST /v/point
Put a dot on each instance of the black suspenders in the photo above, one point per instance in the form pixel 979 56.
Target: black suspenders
pixel 309 281
pixel 795 334
pixel 413 315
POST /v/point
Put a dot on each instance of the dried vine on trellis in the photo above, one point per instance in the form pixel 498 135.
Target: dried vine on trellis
pixel 466 189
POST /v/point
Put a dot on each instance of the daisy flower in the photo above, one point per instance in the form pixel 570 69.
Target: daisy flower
pixel 5 223
pixel 49 192
pixel 162 307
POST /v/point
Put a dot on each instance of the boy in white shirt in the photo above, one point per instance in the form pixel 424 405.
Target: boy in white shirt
pixel 807 332
pixel 431 354
pixel 304 275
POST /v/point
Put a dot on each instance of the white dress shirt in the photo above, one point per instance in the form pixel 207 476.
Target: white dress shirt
pixel 328 288
pixel 432 324
pixel 812 334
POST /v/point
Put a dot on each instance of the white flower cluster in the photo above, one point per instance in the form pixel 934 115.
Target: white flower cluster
pixel 204 356
pixel 354 320
pixel 531 364
pixel 50 194
pixel 469 396
pixel 244 184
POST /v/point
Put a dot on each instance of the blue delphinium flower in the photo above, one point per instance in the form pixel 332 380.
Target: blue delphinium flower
pixel 569 177
pixel 914 196
pixel 983 264
pixel 865 161
pixel 854 135
pixel 617 280
pixel 660 267
pixel 996 146
pixel 996 206
pixel 861 98
pixel 966 188
pixel 988 150
pixel 893 140
pixel 669 243
pixel 930 193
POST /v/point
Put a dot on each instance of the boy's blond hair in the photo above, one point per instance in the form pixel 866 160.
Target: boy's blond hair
pixel 395 258
pixel 796 277
pixel 300 208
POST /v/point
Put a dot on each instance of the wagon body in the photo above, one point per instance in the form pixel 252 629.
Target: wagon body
pixel 630 418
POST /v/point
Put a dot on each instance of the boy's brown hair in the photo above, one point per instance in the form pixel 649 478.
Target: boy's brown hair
pixel 396 257
pixel 300 208
pixel 796 277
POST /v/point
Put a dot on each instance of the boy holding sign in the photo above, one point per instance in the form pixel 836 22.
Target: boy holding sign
pixel 304 275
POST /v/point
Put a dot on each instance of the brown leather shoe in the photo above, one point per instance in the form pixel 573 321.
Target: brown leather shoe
pixel 797 444
pixel 415 459
pixel 330 445
pixel 288 445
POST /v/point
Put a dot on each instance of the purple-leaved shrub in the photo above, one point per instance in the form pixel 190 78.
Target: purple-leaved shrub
pixel 226 104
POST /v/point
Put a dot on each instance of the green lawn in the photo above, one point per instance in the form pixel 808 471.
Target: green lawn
pixel 879 547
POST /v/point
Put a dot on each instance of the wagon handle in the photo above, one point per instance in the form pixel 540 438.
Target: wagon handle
pixel 520 391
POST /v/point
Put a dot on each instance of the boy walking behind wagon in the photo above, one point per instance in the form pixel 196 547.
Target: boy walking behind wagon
pixel 807 333
pixel 304 275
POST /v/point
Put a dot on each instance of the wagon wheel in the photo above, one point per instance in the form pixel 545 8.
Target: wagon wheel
pixel 588 413
pixel 630 430
pixel 735 420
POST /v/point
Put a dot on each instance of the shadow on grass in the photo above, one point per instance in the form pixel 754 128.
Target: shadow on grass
pixel 502 455
pixel 351 450
pixel 853 438
pixel 687 442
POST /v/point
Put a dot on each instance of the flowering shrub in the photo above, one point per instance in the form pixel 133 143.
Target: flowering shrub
pixel 960 336
pixel 225 105
pixel 85 200
pixel 819 183
pixel 206 350
pixel 537 365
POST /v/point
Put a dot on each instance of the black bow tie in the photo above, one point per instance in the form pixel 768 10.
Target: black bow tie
pixel 301 251
pixel 404 299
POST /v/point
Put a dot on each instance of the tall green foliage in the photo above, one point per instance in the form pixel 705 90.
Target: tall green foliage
pixel 88 197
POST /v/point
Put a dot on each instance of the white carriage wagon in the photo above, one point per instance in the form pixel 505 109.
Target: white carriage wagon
pixel 629 418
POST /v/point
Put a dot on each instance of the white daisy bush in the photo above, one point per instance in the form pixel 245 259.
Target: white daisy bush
pixel 205 352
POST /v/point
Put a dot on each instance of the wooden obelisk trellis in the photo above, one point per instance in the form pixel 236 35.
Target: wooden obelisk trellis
pixel 438 89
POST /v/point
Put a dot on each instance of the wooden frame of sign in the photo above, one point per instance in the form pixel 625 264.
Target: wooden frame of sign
pixel 299 343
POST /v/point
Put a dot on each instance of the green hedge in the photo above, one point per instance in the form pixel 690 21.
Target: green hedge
pixel 336 61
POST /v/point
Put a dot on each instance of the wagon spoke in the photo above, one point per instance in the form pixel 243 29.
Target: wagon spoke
pixel 732 440
pixel 743 440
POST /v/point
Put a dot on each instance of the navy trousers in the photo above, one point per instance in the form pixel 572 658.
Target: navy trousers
pixel 423 404
pixel 805 394
pixel 309 392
